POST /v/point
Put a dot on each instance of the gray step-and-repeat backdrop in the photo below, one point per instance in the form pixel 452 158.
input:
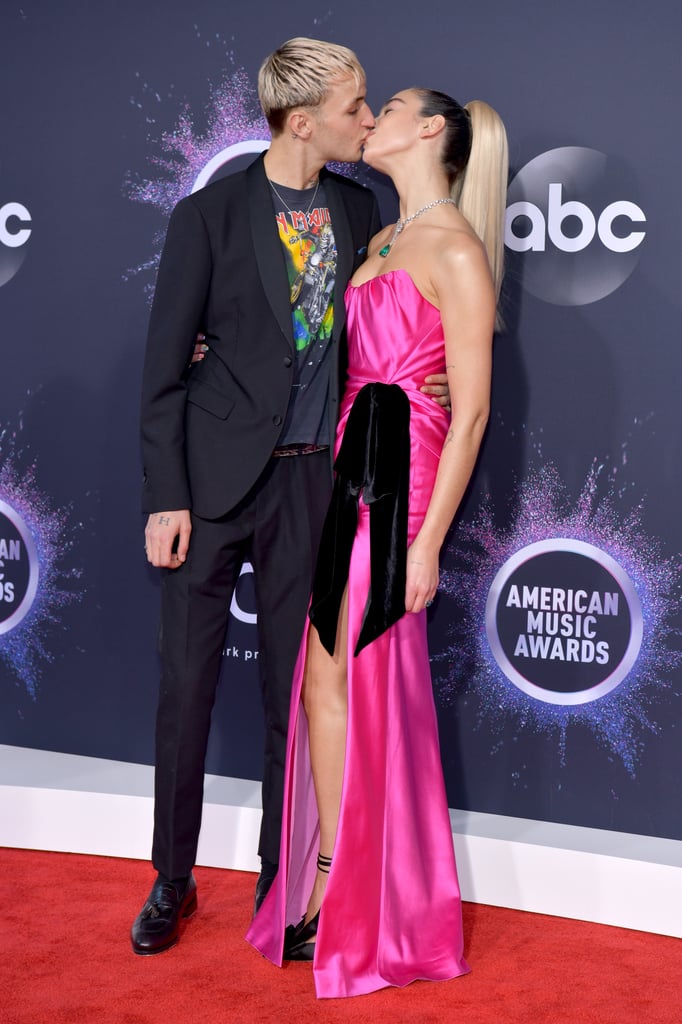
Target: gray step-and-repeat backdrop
pixel 555 636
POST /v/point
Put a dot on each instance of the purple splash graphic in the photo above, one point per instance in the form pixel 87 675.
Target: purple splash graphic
pixel 233 116
pixel 542 510
pixel 24 649
pixel 189 157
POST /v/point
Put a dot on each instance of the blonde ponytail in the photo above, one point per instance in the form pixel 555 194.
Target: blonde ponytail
pixel 480 189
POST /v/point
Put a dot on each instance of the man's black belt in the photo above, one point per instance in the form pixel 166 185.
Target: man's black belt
pixel 298 449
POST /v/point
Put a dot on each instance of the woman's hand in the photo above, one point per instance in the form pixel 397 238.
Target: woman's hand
pixel 422 576
pixel 200 349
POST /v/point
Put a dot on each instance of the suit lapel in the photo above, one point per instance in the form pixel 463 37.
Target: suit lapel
pixel 268 248
pixel 344 249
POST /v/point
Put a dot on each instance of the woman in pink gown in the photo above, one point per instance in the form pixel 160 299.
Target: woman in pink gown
pixel 367 885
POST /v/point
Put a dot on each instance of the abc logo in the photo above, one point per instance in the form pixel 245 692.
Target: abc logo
pixel 215 165
pixel 577 234
pixel 14 234
pixel 244 595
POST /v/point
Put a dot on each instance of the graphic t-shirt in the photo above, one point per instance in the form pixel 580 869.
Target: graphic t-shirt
pixel 305 231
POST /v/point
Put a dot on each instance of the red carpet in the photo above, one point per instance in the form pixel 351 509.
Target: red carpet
pixel 65 959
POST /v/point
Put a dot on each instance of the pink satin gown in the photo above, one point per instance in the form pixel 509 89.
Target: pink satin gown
pixel 392 910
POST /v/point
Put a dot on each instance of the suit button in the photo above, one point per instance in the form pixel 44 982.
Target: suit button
pixel 277 420
pixel 288 360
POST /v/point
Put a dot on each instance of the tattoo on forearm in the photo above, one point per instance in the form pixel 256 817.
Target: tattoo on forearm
pixel 449 366
pixel 164 520
pixel 448 438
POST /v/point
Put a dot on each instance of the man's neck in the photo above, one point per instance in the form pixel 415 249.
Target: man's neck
pixel 289 162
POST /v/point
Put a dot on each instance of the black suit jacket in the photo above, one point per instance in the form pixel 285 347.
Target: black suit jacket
pixel 207 434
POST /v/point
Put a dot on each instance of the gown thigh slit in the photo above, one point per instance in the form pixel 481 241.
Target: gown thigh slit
pixel 391 912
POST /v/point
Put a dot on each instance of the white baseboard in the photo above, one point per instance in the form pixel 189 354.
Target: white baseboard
pixel 67 803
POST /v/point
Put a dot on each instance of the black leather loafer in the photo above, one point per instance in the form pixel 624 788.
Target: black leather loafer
pixel 156 928
pixel 265 879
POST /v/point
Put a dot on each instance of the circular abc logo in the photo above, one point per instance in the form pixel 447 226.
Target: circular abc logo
pixel 243 597
pixel 212 169
pixel 15 232
pixel 572 217
pixel 564 621
pixel 18 568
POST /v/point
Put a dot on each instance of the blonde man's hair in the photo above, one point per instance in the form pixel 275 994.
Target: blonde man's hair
pixel 300 73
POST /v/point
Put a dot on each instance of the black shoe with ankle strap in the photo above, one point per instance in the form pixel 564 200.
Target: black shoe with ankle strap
pixel 298 939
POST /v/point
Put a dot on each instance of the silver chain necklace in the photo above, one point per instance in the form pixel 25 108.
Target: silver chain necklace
pixel 294 238
pixel 402 224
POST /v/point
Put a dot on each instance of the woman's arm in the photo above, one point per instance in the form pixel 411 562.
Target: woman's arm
pixel 460 279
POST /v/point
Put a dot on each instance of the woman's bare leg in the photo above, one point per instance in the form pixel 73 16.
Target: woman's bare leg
pixel 325 699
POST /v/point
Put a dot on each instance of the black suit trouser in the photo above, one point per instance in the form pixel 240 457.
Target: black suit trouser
pixel 277 525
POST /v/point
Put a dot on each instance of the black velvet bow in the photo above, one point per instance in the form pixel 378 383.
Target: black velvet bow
pixel 374 459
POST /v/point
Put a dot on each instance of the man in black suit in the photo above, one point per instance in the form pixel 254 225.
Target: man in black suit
pixel 236 452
